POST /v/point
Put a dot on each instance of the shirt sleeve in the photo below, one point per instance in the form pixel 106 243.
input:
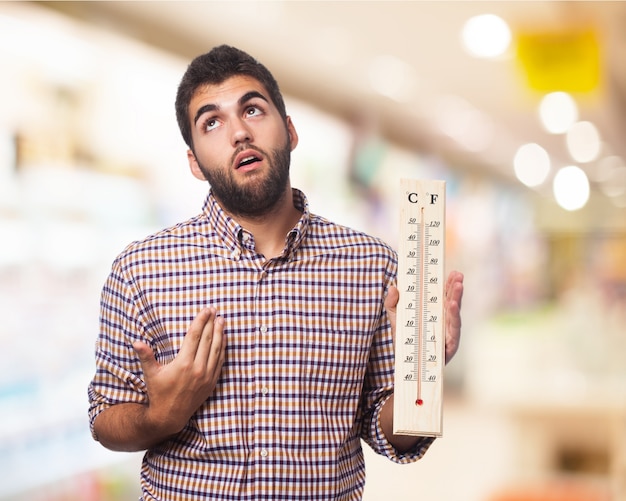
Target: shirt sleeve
pixel 118 375
pixel 378 387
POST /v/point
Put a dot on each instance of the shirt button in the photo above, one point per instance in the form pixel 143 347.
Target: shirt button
pixel 263 329
pixel 265 390
pixel 264 453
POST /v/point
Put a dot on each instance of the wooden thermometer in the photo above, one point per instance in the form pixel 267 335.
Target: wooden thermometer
pixel 420 340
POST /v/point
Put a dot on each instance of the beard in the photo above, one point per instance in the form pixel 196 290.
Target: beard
pixel 260 194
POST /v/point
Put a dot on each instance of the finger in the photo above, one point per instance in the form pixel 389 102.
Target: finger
pixel 454 294
pixel 217 370
pixel 454 287
pixel 391 303
pixel 453 277
pixel 146 357
pixel 453 333
pixel 218 348
pixel 391 306
pixel 206 338
pixel 194 333
pixel 453 316
pixel 457 291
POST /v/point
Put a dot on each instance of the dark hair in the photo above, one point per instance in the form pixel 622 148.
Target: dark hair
pixel 214 67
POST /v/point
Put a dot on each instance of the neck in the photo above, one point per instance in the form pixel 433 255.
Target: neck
pixel 270 229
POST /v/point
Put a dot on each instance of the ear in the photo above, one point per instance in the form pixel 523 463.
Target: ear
pixel 293 135
pixel 193 165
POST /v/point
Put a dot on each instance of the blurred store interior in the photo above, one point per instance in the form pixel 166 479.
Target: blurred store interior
pixel 519 106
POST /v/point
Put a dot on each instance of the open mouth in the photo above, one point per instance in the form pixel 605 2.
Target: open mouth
pixel 249 160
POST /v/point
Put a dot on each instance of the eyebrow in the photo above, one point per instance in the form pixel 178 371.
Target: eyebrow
pixel 242 100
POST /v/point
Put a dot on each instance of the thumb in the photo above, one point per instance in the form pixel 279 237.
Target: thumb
pixel 391 302
pixel 146 357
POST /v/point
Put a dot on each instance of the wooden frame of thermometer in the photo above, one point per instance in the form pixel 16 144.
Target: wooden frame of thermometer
pixel 420 337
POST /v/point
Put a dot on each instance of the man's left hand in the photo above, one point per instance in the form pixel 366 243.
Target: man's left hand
pixel 453 295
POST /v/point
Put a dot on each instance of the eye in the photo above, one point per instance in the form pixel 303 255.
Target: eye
pixel 210 124
pixel 253 111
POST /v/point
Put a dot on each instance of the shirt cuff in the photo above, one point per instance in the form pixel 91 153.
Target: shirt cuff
pixel 386 449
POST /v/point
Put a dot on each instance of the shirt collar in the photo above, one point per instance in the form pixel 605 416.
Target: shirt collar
pixel 231 232
pixel 297 235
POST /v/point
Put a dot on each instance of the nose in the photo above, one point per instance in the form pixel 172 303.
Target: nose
pixel 241 133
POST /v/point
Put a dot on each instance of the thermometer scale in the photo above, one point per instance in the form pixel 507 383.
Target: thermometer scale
pixel 420 340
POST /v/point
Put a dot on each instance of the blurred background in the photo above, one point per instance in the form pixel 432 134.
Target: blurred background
pixel 519 106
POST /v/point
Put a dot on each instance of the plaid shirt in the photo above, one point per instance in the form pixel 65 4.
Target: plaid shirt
pixel 309 358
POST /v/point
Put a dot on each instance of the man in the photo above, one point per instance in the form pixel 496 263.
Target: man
pixel 249 349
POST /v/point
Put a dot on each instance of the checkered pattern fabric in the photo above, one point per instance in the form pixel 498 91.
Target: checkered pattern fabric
pixel 309 358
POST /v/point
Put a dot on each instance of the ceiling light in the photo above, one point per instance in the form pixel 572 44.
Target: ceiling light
pixel 615 184
pixel 531 164
pixel 468 126
pixel 619 202
pixel 393 78
pixel 583 142
pixel 571 188
pixel 558 112
pixel 64 56
pixel 605 166
pixel 334 46
pixel 479 134
pixel 486 36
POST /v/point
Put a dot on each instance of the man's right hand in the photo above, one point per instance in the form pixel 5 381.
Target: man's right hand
pixel 175 390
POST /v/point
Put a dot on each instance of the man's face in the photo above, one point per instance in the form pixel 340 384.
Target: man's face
pixel 242 145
